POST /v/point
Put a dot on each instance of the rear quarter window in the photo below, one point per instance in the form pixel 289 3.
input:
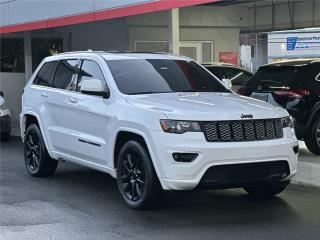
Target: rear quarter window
pixel 238 77
pixel 45 75
pixel 215 71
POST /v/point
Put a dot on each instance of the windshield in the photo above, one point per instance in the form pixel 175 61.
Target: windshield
pixel 139 76
pixel 272 78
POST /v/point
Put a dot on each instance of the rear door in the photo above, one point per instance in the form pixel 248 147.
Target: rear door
pixel 40 93
pixel 58 107
pixel 90 119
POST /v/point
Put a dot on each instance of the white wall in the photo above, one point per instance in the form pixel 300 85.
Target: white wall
pixel 200 23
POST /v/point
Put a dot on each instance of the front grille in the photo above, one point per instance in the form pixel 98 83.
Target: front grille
pixel 245 173
pixel 242 130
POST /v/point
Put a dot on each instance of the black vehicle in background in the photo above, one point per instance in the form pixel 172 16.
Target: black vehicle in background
pixel 237 76
pixel 5 120
pixel 295 86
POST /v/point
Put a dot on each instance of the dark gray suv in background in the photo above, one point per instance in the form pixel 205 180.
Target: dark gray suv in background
pixel 295 86
pixel 5 120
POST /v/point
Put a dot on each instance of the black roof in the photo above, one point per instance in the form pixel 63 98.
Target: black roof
pixel 293 63
pixel 225 65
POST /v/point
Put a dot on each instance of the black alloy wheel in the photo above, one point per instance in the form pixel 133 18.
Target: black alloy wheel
pixel 137 180
pixel 37 159
pixel 132 175
pixel 32 152
pixel 312 139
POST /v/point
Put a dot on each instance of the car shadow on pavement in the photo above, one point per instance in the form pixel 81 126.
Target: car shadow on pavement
pixel 95 195
pixel 217 207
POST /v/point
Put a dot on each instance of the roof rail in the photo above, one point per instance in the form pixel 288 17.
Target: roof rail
pixel 112 52
pixel 116 51
pixel 73 52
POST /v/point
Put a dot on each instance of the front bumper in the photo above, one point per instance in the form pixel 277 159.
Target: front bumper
pixel 5 124
pixel 187 176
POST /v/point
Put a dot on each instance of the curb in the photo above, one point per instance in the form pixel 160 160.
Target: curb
pixel 308 174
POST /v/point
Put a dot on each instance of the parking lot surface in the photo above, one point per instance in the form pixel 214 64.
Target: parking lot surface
pixel 79 203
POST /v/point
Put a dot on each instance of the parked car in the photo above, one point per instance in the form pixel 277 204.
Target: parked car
pixel 5 120
pixel 154 122
pixel 295 86
pixel 236 76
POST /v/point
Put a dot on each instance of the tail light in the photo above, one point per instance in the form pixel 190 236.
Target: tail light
pixel 298 93
pixel 242 91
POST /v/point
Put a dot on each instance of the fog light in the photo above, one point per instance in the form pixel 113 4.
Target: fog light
pixel 184 157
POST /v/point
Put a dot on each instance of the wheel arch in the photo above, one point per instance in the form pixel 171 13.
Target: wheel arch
pixel 32 118
pixel 28 119
pixel 314 113
pixel 124 135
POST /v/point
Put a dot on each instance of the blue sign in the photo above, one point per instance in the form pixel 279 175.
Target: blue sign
pixel 291 43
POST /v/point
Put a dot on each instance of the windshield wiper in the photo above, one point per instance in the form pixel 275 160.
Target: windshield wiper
pixel 146 92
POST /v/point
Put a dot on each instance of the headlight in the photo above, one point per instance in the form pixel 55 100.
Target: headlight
pixel 179 127
pixel 287 122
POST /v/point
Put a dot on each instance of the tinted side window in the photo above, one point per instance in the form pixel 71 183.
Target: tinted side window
pixel 238 77
pixel 44 77
pixel 215 71
pixel 65 74
pixel 89 70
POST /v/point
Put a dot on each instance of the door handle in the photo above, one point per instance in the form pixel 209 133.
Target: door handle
pixel 73 100
pixel 44 95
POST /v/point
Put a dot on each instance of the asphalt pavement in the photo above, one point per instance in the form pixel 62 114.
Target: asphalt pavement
pixel 79 203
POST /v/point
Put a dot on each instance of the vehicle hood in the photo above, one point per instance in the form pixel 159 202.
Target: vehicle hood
pixel 206 106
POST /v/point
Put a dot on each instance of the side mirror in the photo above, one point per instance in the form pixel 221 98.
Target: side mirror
pixel 1 94
pixel 94 87
pixel 227 83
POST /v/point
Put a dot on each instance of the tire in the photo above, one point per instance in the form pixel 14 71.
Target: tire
pixel 136 178
pixel 266 190
pixel 312 139
pixel 5 137
pixel 37 159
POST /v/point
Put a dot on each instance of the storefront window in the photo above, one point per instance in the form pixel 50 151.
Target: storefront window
pixel 12 55
pixel 44 47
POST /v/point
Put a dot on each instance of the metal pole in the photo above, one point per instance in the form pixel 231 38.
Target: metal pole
pixel 174 32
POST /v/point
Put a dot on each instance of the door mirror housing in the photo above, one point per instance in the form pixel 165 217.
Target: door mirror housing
pixel 94 87
pixel 227 83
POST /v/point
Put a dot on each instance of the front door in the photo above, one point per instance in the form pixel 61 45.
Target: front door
pixel 89 115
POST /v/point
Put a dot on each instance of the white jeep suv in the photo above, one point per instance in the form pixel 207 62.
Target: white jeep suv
pixel 155 122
